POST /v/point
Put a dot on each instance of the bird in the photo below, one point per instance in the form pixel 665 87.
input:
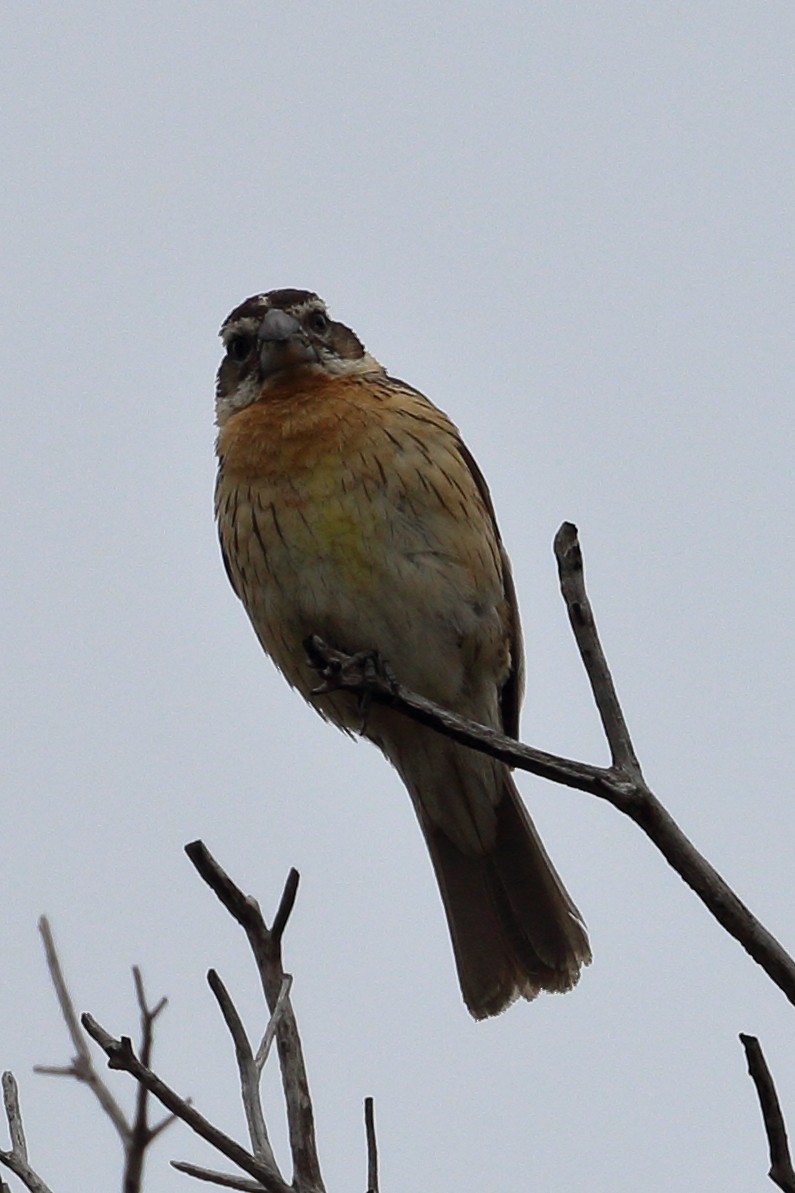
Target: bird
pixel 348 507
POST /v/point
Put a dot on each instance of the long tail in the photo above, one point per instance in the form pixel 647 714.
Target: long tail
pixel 514 927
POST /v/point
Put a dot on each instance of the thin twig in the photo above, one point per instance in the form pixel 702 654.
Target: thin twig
pixel 267 954
pixel 121 1056
pixel 572 584
pixel 270 1031
pixel 781 1171
pixel 82 1067
pixel 217 1178
pixel 249 1075
pixel 138 1135
pixel 141 1135
pixel 64 999
pixel 16 1160
pixel 621 784
pixel 286 904
pixel 372 1146
pixel 148 1014
pixel 166 1121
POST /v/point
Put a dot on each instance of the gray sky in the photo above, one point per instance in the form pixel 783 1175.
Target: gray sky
pixel 570 225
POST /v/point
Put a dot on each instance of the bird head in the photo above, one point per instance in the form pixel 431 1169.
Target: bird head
pixel 279 337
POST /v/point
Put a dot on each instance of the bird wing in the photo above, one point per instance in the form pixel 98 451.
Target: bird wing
pixel 513 688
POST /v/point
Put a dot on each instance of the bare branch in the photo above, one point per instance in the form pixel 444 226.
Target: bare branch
pixel 121 1056
pixel 781 1171
pixel 372 1146
pixel 138 1135
pixel 572 586
pixel 249 1076
pixel 141 1135
pixel 260 1163
pixel 267 954
pixel 64 999
pixel 148 1014
pixel 270 1030
pixel 217 1178
pixel 621 784
pixel 82 1067
pixel 351 673
pixel 286 904
pixel 165 1122
pixel 16 1160
pixel 14 1115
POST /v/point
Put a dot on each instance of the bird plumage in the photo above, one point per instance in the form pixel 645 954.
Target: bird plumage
pixel 348 507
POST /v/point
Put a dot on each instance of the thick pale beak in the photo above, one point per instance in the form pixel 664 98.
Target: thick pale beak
pixel 282 343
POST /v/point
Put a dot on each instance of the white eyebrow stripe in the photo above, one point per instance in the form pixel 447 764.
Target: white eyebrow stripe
pixel 247 324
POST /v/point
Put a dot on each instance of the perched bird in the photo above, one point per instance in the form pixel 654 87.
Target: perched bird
pixel 348 507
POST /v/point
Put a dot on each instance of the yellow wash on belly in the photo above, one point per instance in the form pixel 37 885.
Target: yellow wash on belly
pixel 338 525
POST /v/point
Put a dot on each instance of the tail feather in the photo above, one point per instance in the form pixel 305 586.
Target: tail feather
pixel 514 928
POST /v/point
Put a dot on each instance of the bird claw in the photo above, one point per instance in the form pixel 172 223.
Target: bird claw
pixel 364 674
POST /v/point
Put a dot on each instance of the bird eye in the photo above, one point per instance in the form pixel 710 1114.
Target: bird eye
pixel 317 321
pixel 239 347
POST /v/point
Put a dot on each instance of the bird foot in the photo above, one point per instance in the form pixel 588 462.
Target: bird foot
pixel 365 674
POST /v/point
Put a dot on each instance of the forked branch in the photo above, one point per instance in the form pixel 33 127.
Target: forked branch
pixel 621 784
pixel 266 945
pixel 82 1065
pixel 121 1055
pixel 259 1162
pixel 136 1134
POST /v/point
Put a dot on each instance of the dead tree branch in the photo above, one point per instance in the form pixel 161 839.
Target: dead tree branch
pixel 372 1146
pixel 259 1163
pixel 82 1066
pixel 781 1171
pixel 121 1055
pixel 621 784
pixel 217 1178
pixel 16 1160
pixel 136 1135
pixel 141 1134
pixel 266 947
pixel 270 1031
pixel 249 1074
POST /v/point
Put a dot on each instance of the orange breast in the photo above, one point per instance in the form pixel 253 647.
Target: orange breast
pixel 289 431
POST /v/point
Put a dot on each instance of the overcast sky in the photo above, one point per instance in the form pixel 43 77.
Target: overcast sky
pixel 571 225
